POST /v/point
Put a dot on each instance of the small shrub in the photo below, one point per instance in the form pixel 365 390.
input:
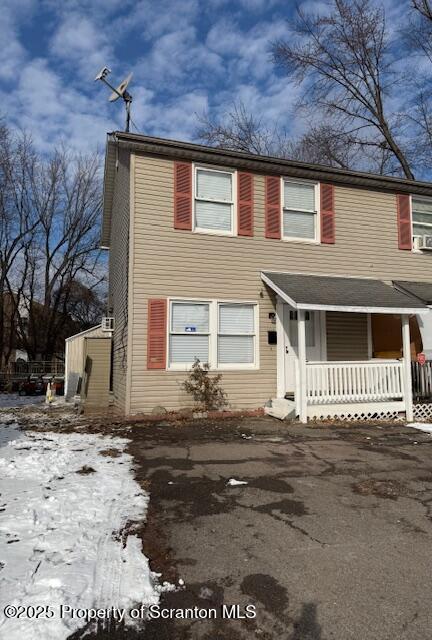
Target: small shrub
pixel 204 388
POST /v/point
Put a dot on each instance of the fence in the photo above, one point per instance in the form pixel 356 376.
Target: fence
pixel 38 367
pixel 368 381
pixel 422 380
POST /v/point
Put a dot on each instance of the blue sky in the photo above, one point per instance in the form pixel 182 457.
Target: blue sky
pixel 187 56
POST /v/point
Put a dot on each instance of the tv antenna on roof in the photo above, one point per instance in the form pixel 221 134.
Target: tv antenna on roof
pixel 118 92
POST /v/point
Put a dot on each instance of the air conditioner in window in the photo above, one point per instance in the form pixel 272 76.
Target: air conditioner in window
pixel 425 243
pixel 107 323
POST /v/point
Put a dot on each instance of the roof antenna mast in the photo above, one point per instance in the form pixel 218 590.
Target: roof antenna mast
pixel 118 92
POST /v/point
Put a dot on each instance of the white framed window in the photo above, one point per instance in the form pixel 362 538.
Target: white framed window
pixel 189 332
pixel 222 333
pixel 236 334
pixel 214 192
pixel 421 215
pixel 300 211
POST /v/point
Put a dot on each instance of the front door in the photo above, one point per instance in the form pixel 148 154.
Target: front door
pixel 314 343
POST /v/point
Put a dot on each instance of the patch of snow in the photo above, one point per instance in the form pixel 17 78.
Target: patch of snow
pixel 232 482
pixel 61 537
pixel 421 426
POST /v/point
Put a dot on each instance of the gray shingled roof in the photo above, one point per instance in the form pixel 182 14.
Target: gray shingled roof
pixel 335 292
pixel 422 290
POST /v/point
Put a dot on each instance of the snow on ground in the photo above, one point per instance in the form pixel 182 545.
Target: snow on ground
pixel 232 482
pixel 59 529
pixel 421 426
pixel 11 400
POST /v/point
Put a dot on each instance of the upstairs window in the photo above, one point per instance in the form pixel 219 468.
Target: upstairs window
pixel 421 217
pixel 300 210
pixel 214 201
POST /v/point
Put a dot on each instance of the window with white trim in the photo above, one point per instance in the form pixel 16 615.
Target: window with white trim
pixel 189 332
pixel 421 217
pixel 236 334
pixel 214 201
pixel 300 210
pixel 224 334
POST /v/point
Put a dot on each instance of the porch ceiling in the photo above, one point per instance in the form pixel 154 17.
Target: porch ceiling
pixel 334 293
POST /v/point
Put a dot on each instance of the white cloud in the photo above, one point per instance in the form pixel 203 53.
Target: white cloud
pixel 248 53
pixel 12 52
pixel 77 41
pixel 177 60
pixel 153 19
pixel 174 119
pixel 51 111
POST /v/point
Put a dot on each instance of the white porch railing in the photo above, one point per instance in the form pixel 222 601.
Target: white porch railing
pixel 368 381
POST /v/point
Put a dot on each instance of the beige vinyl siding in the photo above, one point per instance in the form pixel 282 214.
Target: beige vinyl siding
pixel 118 276
pixel 96 388
pixel 171 263
pixel 347 336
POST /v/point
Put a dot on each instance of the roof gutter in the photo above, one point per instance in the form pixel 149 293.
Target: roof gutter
pixel 268 165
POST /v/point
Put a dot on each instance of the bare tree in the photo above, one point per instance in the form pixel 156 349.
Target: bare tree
pixel 18 224
pixel 238 129
pixel 424 8
pixel 49 237
pixel 344 61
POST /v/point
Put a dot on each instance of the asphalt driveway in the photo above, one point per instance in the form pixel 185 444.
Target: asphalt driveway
pixel 330 538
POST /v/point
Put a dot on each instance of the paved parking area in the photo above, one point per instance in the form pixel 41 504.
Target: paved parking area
pixel 330 538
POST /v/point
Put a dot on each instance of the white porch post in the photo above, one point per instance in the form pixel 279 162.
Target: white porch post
pixel 280 350
pixel 301 334
pixel 406 343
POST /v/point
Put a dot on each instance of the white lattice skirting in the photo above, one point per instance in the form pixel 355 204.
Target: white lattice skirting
pixel 357 412
pixel 423 412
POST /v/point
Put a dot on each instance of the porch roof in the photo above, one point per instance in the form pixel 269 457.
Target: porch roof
pixel 421 290
pixel 336 293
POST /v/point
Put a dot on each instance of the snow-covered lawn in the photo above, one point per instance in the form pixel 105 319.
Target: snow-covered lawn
pixel 65 501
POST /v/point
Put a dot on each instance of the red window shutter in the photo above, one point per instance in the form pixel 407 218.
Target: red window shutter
pixel 245 204
pixel 183 195
pixel 327 213
pixel 404 221
pixel 272 207
pixel 156 333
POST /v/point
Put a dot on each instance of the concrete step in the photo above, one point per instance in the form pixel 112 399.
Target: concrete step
pixel 281 409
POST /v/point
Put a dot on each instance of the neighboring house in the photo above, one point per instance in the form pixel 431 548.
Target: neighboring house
pixel 24 333
pixel 271 270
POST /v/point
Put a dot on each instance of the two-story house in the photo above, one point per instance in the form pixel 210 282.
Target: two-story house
pixel 293 280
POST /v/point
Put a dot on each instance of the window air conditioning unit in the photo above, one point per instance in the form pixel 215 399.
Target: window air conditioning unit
pixel 425 243
pixel 107 323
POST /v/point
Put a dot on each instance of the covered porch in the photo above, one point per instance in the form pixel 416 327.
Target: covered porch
pixel 319 318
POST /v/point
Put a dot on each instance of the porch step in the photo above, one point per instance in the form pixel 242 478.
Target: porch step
pixel 281 409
